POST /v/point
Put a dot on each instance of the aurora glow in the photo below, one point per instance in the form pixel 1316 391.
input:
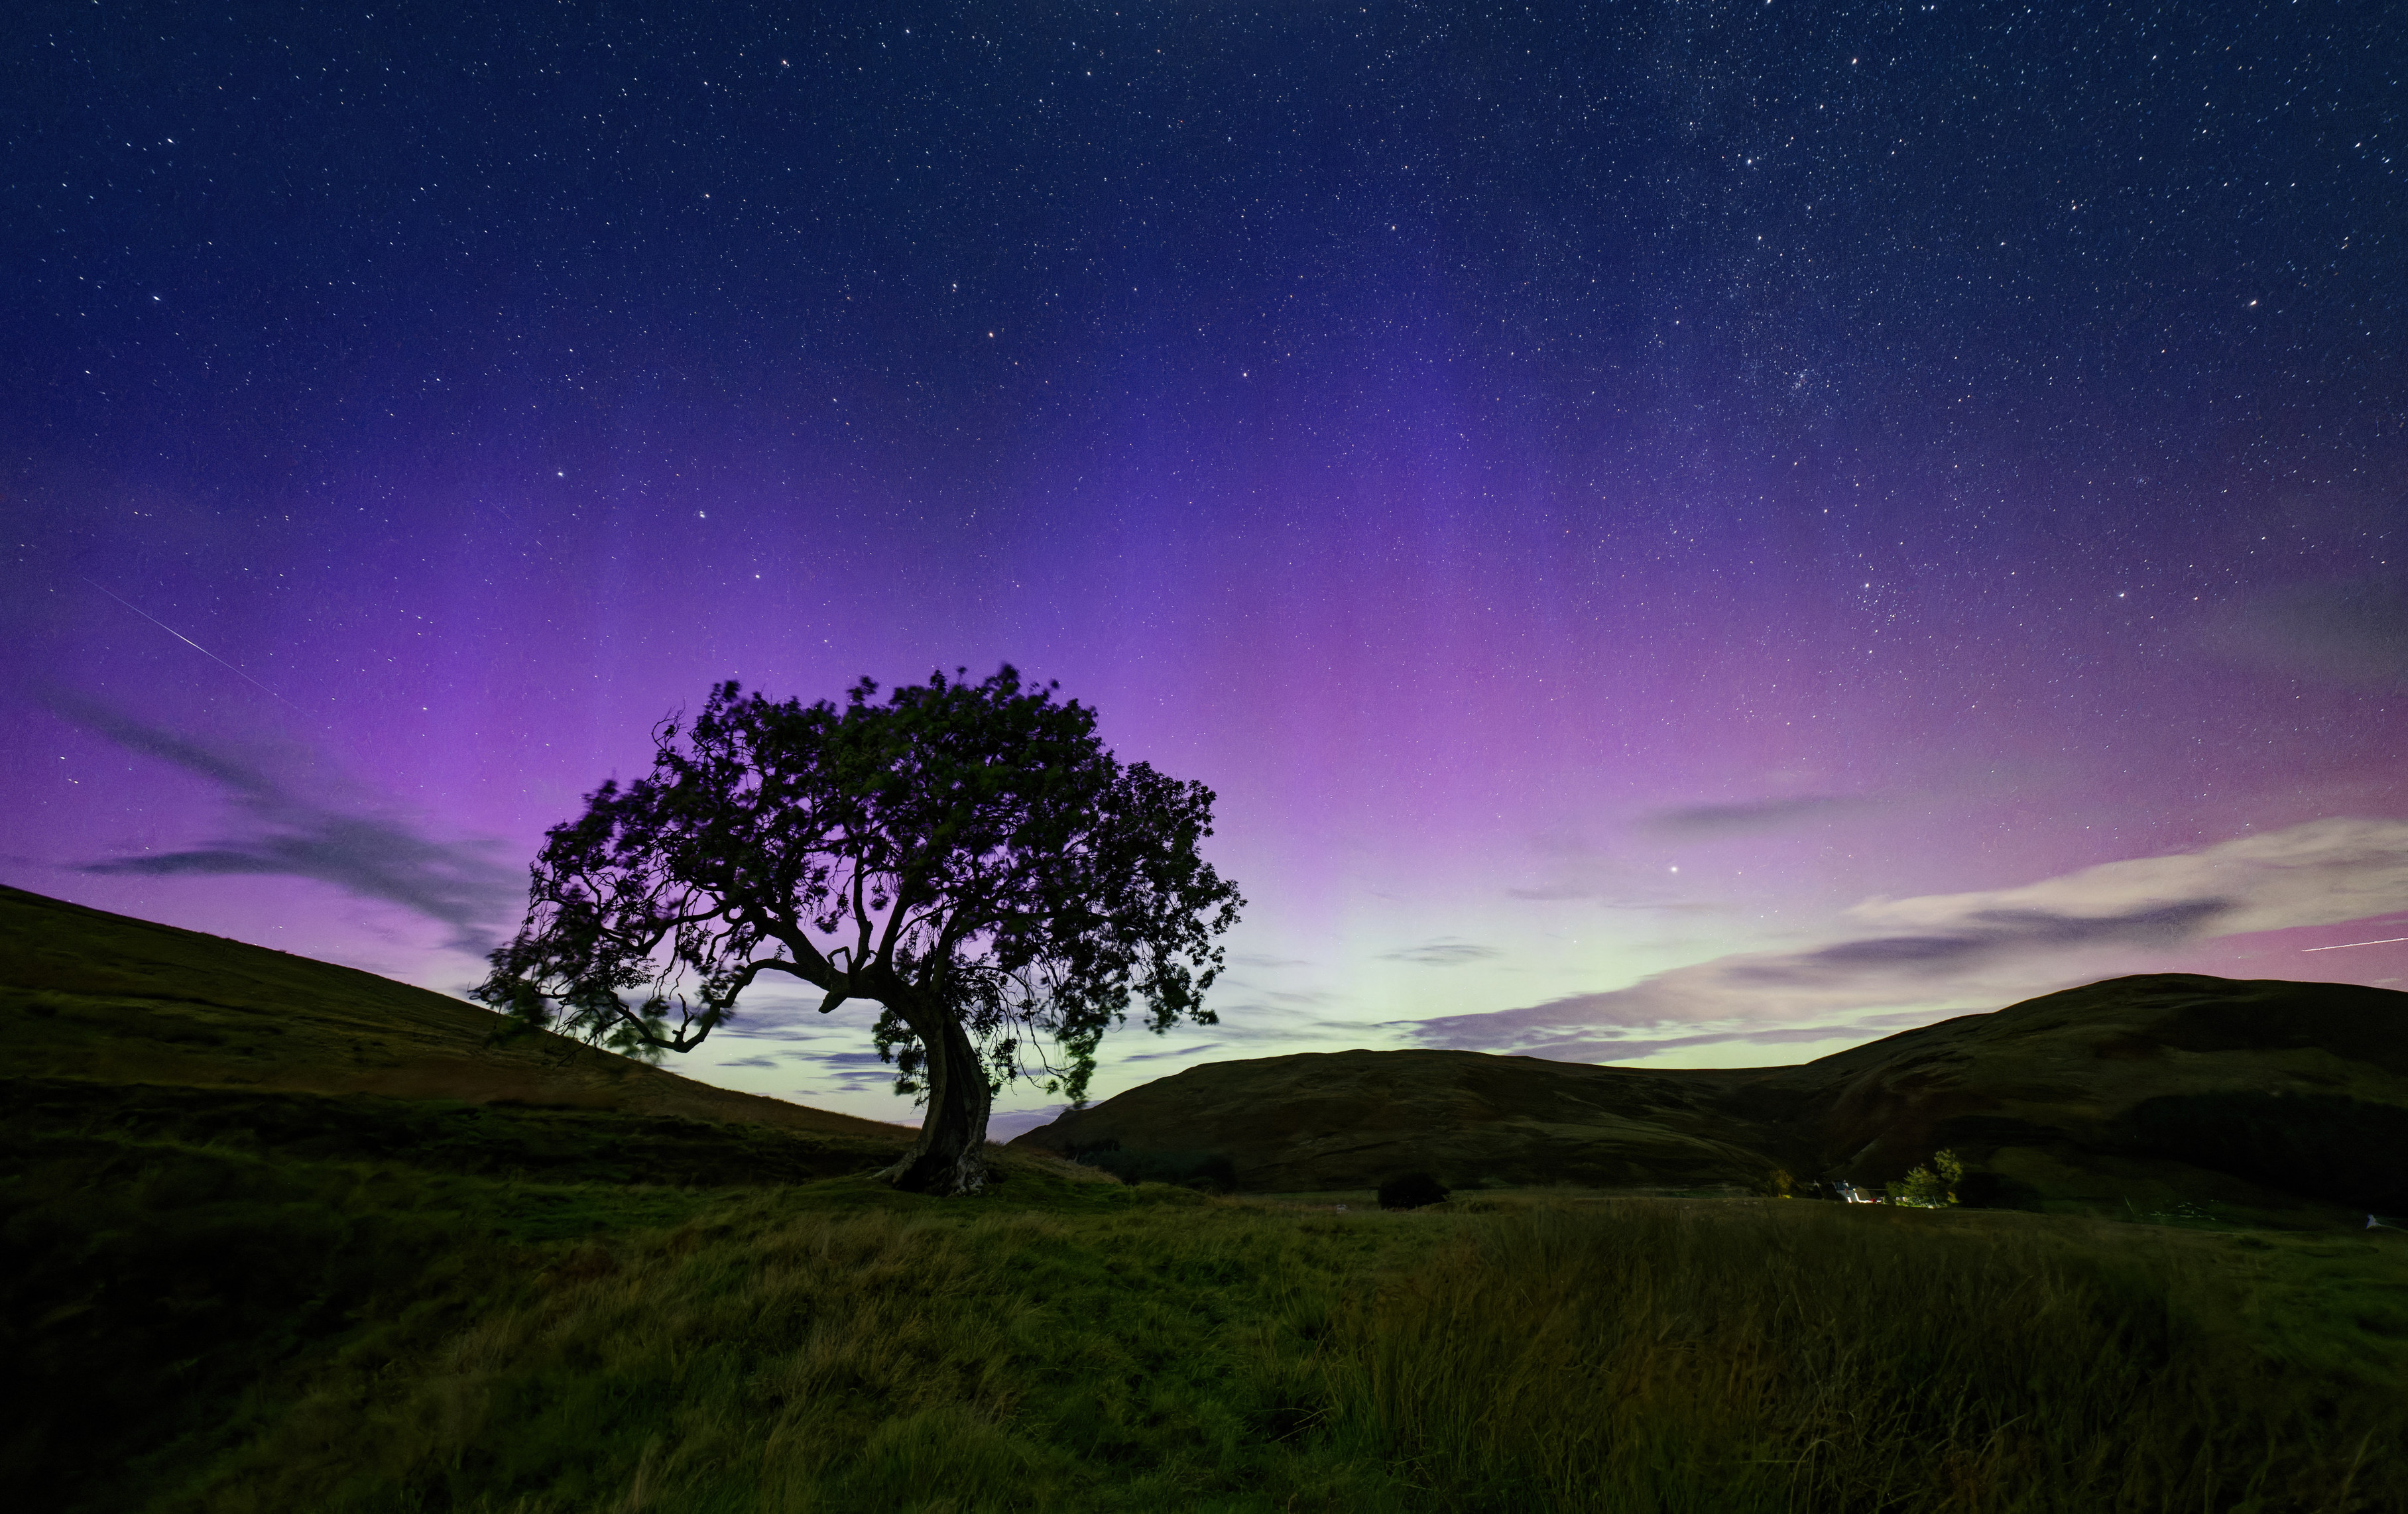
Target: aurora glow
pixel 1702 532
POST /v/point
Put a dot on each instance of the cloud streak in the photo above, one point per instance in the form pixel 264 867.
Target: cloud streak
pixel 1748 816
pixel 457 884
pixel 1965 948
pixel 1982 936
pixel 2342 633
pixel 1630 1048
pixel 1445 952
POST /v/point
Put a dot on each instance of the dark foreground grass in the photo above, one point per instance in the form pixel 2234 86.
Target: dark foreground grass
pixel 342 1336
pixel 1769 1356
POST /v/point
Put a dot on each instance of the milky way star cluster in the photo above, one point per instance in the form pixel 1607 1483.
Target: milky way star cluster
pixel 1678 531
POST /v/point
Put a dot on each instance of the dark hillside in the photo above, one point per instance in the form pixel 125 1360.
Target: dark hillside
pixel 2039 1094
pixel 110 1003
pixel 1347 1120
pixel 216 1159
pixel 2037 1090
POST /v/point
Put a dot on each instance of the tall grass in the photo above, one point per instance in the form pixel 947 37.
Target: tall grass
pixel 148 1289
pixel 839 1349
pixel 920 1357
pixel 1731 1358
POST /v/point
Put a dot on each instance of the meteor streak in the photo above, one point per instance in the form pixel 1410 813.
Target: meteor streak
pixel 2347 945
pixel 198 647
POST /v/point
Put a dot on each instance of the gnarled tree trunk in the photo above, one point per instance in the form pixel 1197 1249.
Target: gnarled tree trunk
pixel 950 1157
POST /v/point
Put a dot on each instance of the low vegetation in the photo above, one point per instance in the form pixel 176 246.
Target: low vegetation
pixel 212 1328
pixel 250 1261
pixel 1933 1185
pixel 1654 1356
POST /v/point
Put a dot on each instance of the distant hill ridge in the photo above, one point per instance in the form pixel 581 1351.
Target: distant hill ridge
pixel 2056 1097
pixel 2257 1093
pixel 113 1018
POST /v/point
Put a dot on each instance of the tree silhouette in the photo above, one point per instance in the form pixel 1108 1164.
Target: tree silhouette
pixel 969 856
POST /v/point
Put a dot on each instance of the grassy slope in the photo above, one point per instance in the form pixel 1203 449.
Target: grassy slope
pixel 2033 1090
pixel 1326 1120
pixel 2043 1081
pixel 255 1287
pixel 214 1156
pixel 1086 1346
pixel 111 1001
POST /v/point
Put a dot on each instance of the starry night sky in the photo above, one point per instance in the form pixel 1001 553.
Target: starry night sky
pixel 1692 532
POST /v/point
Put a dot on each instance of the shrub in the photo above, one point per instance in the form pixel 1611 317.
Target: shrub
pixel 1412 1191
pixel 1929 1189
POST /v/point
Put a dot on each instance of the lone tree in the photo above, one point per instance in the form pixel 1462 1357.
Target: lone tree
pixel 969 856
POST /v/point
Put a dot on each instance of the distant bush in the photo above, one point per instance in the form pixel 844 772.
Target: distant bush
pixel 2321 1145
pixel 1779 1182
pixel 1187 1169
pixel 1930 1188
pixel 1412 1191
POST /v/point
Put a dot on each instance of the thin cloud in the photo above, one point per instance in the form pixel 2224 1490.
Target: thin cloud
pixel 1004 1125
pixel 1981 948
pixel 1446 952
pixel 1174 1053
pixel 1985 935
pixel 1608 895
pixel 1554 891
pixel 1903 1019
pixel 784 1019
pixel 850 1072
pixel 2343 633
pixel 1748 816
pixel 457 884
pixel 1300 998
pixel 1256 959
pixel 1630 1048
pixel 1253 1023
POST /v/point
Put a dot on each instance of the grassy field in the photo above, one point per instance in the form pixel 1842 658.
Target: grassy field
pixel 223 1329
pixel 276 1236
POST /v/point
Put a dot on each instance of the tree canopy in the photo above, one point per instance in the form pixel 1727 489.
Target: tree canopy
pixel 969 856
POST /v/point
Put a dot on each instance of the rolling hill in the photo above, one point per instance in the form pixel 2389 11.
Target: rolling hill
pixel 2256 1093
pixel 2205 1087
pixel 122 1023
